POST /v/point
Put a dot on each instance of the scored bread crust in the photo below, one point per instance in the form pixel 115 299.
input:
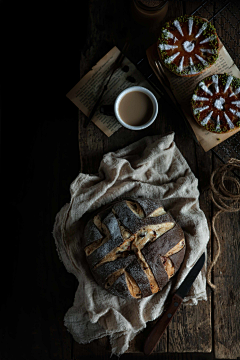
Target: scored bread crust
pixel 153 252
pixel 135 247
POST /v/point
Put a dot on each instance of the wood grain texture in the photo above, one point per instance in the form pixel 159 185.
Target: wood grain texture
pixel 92 145
pixel 226 25
pixel 136 345
pixel 226 278
pixel 161 325
pixel 226 297
pixel 191 328
pixel 42 145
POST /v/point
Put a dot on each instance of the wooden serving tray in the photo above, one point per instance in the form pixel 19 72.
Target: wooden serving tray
pixel 205 138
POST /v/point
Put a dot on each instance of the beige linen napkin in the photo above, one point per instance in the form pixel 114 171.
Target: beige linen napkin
pixel 152 167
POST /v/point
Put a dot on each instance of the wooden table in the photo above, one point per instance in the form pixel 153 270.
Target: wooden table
pixel 43 65
pixel 213 326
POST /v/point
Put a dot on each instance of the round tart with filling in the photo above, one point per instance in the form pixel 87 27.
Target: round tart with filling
pixel 216 103
pixel 188 45
pixel 133 247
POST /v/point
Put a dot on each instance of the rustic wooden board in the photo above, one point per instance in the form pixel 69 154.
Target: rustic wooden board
pixel 191 328
pixel 227 20
pixel 93 142
pixel 227 26
pixel 226 278
pixel 226 318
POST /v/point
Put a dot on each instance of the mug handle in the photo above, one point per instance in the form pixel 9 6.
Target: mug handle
pixel 107 110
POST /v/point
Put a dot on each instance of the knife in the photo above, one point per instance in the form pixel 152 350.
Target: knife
pixel 161 325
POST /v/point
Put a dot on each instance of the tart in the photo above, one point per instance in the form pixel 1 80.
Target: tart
pixel 133 247
pixel 215 103
pixel 188 45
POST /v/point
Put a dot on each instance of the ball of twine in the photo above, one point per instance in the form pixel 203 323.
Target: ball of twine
pixel 225 200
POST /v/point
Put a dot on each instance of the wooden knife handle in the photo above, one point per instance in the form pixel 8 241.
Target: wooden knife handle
pixel 161 325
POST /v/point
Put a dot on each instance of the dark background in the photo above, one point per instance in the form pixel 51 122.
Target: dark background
pixel 41 44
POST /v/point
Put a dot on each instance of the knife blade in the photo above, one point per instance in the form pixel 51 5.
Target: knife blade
pixel 161 325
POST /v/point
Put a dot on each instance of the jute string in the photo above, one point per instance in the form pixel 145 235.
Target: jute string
pixel 225 200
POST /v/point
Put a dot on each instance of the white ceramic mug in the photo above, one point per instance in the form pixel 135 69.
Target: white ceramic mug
pixel 152 98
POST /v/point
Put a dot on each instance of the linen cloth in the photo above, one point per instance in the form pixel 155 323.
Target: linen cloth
pixel 152 168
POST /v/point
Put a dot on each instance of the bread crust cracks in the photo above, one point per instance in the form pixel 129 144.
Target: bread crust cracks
pixel 143 276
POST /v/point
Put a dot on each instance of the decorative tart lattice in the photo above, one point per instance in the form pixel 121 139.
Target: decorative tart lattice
pixel 188 45
pixel 215 103
pixel 133 248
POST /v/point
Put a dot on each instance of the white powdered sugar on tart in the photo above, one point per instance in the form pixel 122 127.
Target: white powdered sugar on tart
pixel 190 26
pixel 201 30
pixel 168 35
pixel 199 98
pixel 178 26
pixel 219 103
pixel 220 114
pixel 230 124
pixel 218 123
pixel 237 103
pixel 171 58
pixel 210 38
pixel 188 45
pixel 206 119
pixel 228 83
pixel 205 88
pixel 200 109
pixel 204 62
pixel 235 112
pixel 193 70
pixel 210 51
pixel 215 81
pixel 180 68
pixel 167 47
pixel 237 91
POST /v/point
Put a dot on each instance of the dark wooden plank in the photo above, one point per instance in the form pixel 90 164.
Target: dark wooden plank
pixel 227 25
pixel 193 323
pixel 154 356
pixel 190 329
pixel 226 278
pixel 136 345
pixel 96 144
pixel 226 296
pixel 166 121
pixel 230 148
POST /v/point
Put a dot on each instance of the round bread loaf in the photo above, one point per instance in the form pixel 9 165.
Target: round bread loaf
pixel 215 103
pixel 133 247
pixel 188 45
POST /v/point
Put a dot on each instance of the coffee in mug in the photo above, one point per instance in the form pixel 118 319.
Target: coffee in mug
pixel 136 108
